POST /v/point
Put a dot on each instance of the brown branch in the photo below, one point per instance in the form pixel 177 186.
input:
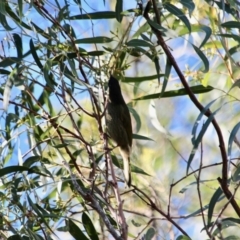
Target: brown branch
pixel 150 203
pixel 208 113
pixel 94 203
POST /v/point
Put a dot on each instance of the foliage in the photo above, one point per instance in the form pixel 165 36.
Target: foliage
pixel 60 176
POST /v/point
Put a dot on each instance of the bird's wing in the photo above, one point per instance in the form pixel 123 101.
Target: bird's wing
pixel 126 120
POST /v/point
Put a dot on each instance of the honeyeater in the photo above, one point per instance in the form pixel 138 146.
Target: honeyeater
pixel 119 126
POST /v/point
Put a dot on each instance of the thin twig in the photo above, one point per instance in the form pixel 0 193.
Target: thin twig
pixel 199 192
pixel 150 203
pixel 93 202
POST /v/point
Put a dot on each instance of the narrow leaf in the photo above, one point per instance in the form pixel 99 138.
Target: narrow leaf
pixel 3 19
pixel 119 9
pixel 89 227
pixel 189 4
pixel 136 117
pixel 166 77
pixel 8 61
pixel 138 42
pixel 119 163
pixel 150 233
pixel 142 79
pixel 93 16
pixel 75 231
pixel 39 214
pixel 231 24
pixel 176 93
pixel 34 54
pixel 231 140
pixel 199 139
pixel 3 71
pixel 94 40
pixel 18 44
pixel 178 13
pixel 140 137
pixel 203 58
pixel 40 31
pixel 213 201
pixel 208 32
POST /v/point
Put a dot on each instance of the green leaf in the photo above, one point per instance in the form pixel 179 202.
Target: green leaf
pixel 39 214
pixel 225 224
pixel 231 51
pixel 119 163
pixel 140 137
pixel 143 29
pixel 150 234
pixel 233 36
pixel 196 140
pixel 136 117
pixel 142 79
pixel 145 38
pixel 119 9
pixel 157 26
pixel 157 66
pixel 196 124
pixel 69 30
pixel 189 4
pixel 203 58
pixel 226 7
pixel 44 99
pixel 89 227
pixel 94 16
pixel 48 76
pixel 231 24
pixel 197 28
pixel 208 32
pixel 75 231
pixel 18 44
pixel 8 61
pixel 178 13
pixel 40 170
pixel 31 160
pixel 136 224
pixel 200 136
pixel 16 237
pixel 3 71
pixel 14 169
pixel 14 17
pixel 176 93
pixel 94 40
pixel 231 139
pixel 34 54
pixel 139 42
pixel 166 77
pixel 63 145
pixel 231 237
pixel 40 31
pixel 181 237
pixel 3 19
pixel 138 170
pixel 236 175
pixel 184 189
pixel 199 211
pixel 20 9
pixel 213 201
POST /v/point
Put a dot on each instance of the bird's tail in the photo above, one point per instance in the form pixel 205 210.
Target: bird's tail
pixel 125 153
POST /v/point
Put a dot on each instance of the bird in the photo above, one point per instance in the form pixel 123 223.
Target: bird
pixel 119 126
